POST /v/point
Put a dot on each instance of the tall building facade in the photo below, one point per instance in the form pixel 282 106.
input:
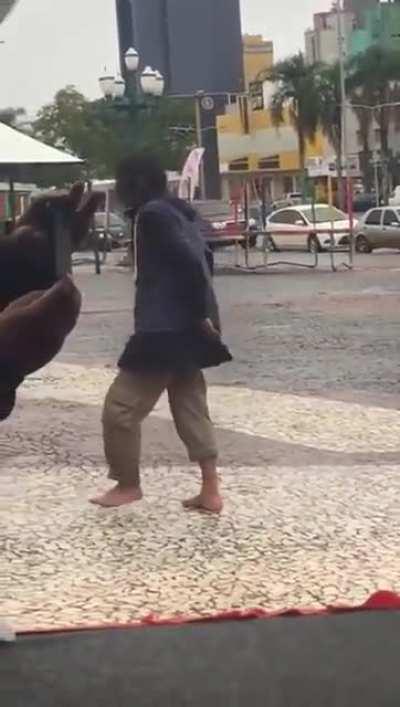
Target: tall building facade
pixel 359 8
pixel 381 27
pixel 321 42
pixel 197 46
pixel 250 145
pixel 258 57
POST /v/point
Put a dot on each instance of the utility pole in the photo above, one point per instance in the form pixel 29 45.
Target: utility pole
pixel 199 132
pixel 345 120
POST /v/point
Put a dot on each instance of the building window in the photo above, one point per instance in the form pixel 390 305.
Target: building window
pixel 241 165
pixel 256 95
pixel 272 162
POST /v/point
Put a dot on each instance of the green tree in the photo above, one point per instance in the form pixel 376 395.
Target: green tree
pixel 12 116
pixel 102 132
pixel 296 94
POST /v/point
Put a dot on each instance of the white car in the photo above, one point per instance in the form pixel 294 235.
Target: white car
pixel 302 220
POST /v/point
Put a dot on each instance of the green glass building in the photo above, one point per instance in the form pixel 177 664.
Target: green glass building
pixel 381 27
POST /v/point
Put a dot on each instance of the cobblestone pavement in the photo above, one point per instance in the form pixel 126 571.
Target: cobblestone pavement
pixel 308 421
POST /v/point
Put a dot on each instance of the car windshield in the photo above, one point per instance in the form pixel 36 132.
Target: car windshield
pixel 114 220
pixel 323 214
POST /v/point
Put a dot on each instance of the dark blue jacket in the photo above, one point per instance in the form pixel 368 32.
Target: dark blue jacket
pixel 174 290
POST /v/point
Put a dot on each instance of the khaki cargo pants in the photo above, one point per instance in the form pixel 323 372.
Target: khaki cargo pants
pixel 131 399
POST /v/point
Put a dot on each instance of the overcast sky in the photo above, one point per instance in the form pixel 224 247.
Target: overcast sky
pixel 52 43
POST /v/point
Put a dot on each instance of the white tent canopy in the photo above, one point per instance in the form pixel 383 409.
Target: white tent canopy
pixel 18 149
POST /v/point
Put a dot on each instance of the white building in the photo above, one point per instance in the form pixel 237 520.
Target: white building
pixel 321 42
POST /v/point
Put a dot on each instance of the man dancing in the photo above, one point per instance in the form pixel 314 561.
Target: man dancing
pixel 177 334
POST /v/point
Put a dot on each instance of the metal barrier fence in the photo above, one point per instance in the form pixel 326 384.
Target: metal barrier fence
pixel 242 244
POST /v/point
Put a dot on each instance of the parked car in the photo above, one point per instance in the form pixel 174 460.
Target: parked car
pixel 216 220
pixel 380 228
pixel 115 234
pixel 302 220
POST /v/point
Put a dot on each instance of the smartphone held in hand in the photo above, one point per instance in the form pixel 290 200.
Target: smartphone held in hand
pixel 59 234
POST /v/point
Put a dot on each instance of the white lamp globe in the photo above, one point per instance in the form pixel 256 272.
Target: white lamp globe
pixel 159 85
pixel 148 81
pixel 132 59
pixel 107 85
pixel 119 87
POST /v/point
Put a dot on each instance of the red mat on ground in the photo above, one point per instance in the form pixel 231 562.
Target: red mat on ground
pixel 380 601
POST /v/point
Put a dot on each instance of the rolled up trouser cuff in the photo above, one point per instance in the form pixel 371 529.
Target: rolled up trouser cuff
pixel 203 455
pixel 125 478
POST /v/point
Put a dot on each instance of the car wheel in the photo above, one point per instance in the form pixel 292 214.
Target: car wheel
pixel 314 246
pixel 362 245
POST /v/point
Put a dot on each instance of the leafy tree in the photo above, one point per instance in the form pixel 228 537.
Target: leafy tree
pixel 12 116
pixel 102 132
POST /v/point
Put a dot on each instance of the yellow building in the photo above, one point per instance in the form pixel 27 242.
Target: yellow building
pixel 250 145
pixel 258 56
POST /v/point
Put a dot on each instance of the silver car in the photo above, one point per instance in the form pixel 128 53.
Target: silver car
pixel 380 228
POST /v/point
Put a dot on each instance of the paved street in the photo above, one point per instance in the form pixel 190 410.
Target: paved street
pixel 308 422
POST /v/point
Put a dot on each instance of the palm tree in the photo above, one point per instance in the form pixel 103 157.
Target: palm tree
pixel 296 95
pixel 330 115
pixel 374 81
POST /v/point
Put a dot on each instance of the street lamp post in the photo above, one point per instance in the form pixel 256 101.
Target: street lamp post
pixel 344 157
pixel 149 82
pixel 343 93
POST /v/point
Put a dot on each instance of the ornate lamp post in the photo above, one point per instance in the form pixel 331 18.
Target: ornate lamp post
pixel 149 82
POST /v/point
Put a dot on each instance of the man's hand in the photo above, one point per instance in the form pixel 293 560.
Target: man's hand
pixel 208 328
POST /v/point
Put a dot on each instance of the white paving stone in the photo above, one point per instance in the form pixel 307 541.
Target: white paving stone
pixel 288 537
pixel 308 421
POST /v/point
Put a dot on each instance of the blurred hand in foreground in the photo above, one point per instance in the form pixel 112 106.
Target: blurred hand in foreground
pixel 32 332
pixel 26 262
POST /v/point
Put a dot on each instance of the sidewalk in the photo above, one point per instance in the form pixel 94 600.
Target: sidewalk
pixel 311 516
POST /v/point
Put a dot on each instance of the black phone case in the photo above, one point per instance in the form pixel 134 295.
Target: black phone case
pixel 60 242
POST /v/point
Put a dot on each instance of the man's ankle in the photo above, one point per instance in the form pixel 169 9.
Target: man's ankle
pixel 128 486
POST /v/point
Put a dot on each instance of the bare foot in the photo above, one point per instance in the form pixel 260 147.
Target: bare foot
pixel 210 503
pixel 118 496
